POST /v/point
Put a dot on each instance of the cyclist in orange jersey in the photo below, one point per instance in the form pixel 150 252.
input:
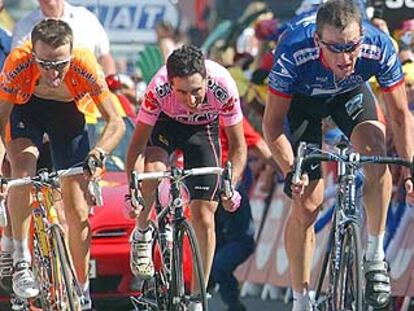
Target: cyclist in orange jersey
pixel 41 85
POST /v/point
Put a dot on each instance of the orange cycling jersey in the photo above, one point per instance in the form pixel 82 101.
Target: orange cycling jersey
pixel 20 75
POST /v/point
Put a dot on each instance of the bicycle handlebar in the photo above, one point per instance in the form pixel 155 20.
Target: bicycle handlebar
pixel 303 159
pixel 44 177
pixel 177 174
pixel 181 173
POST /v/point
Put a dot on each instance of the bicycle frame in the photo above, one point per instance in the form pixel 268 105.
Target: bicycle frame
pixel 173 214
pixel 345 221
pixel 49 248
pixel 346 211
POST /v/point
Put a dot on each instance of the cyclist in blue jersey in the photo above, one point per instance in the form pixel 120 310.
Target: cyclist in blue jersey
pixel 320 69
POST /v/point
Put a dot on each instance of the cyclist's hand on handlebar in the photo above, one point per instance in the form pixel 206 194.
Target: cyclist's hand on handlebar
pixel 231 204
pixel 94 164
pixel 409 189
pixel 134 204
pixel 295 190
pixel 3 188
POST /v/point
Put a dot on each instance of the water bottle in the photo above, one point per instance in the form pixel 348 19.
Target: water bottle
pixel 3 213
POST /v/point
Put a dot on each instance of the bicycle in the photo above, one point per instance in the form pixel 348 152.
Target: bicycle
pixel 342 257
pixel 166 291
pixel 52 266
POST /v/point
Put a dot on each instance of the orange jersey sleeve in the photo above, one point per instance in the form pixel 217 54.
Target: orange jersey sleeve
pixel 86 76
pixel 19 75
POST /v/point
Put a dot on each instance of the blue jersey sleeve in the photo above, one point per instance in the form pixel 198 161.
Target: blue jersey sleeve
pixel 283 76
pixel 390 71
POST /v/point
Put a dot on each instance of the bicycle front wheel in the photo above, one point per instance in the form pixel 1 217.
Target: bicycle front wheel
pixel 64 279
pixel 180 295
pixel 348 290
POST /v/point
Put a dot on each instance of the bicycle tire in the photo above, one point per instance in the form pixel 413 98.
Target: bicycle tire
pixel 64 267
pixel 154 292
pixel 348 293
pixel 325 264
pixel 42 271
pixel 179 298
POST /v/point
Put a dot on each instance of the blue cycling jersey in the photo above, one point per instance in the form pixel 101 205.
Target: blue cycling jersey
pixel 299 67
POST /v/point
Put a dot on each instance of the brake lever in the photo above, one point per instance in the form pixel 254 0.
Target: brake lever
pixel 297 174
pixel 96 191
pixel 227 177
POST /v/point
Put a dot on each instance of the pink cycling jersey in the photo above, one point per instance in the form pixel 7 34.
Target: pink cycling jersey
pixel 222 98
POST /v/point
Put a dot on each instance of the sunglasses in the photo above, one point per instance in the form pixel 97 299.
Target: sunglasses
pixel 342 47
pixel 58 65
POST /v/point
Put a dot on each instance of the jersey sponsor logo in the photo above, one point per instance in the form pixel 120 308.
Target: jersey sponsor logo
pixel 371 51
pixel 322 79
pixel 219 92
pixel 85 74
pixel 150 102
pixel 280 68
pixel 201 117
pixel 305 55
pixel 8 89
pixel 80 95
pixel 391 61
pixel 278 83
pixel 202 188
pixel 324 91
pixel 307 20
pixel 19 68
pixel 163 90
pixel 351 81
pixel 229 105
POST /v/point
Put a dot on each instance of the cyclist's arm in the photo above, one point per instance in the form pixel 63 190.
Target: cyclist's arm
pixel 136 149
pixel 401 120
pixel 5 111
pixel 237 150
pixel 114 128
pixel 276 110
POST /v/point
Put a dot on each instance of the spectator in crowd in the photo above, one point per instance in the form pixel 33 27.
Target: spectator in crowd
pixel 408 70
pixel 79 18
pixel 235 231
pixel 6 244
pixel 6 21
pixel 5 44
pixel 406 54
pixel 167 38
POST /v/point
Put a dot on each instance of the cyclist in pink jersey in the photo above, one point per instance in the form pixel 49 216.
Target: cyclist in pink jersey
pixel 180 111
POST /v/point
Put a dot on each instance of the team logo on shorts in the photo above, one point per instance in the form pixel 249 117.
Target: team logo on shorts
pixel 354 106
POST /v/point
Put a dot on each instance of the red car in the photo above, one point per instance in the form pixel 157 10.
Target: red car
pixel 111 277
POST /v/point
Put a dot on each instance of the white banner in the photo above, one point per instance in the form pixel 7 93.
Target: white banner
pixel 128 21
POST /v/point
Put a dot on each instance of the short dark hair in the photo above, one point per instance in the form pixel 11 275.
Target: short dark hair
pixel 53 32
pixel 186 61
pixel 337 13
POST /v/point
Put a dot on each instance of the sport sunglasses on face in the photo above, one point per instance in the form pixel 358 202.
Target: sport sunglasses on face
pixel 52 65
pixel 342 47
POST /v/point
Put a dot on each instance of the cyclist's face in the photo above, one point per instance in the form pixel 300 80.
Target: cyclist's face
pixel 340 48
pixel 53 63
pixel 190 91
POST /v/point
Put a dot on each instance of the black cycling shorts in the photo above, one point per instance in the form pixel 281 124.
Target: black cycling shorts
pixel 200 146
pixel 62 121
pixel 347 110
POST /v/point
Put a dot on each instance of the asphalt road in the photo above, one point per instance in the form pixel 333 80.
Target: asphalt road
pixel 215 304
